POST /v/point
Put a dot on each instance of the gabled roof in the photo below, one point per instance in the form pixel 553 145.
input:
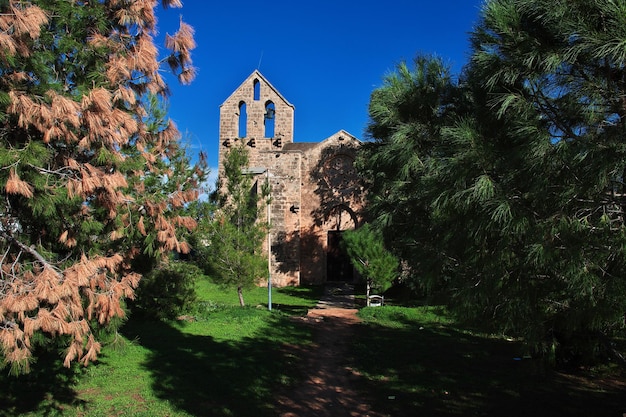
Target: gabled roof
pixel 305 146
pixel 340 135
pixel 257 74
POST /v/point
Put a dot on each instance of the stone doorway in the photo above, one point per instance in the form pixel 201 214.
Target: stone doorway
pixel 338 265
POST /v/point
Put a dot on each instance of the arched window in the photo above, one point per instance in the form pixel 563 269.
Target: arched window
pixel 243 120
pixel 270 116
pixel 257 90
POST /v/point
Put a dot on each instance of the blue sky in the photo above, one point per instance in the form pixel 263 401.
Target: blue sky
pixel 325 57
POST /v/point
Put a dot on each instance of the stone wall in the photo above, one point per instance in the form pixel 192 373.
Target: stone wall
pixel 331 201
pixel 314 188
pixel 255 118
pixel 286 186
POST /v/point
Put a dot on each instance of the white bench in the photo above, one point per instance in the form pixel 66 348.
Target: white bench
pixel 376 300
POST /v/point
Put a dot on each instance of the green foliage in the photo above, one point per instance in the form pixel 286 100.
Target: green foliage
pixel 505 191
pixel 92 178
pixel 232 233
pixel 167 292
pixel 407 117
pixel 370 258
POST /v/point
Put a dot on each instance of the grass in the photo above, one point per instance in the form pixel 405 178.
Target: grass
pixel 418 359
pixel 222 361
pixel 289 300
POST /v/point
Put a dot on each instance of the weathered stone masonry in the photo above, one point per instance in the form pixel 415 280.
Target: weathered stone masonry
pixel 315 192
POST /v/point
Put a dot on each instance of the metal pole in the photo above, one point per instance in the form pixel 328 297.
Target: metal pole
pixel 269 243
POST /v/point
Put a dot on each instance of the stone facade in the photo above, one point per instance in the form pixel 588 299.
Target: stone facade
pixel 315 194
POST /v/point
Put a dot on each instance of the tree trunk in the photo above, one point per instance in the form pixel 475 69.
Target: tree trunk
pixel 367 292
pixel 240 295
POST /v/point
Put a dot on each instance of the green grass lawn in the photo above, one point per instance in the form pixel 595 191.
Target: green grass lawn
pixel 223 360
pixel 417 362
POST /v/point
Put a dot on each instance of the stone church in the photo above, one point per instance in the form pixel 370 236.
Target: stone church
pixel 315 193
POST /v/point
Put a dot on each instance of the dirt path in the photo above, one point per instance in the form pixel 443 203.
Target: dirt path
pixel 328 387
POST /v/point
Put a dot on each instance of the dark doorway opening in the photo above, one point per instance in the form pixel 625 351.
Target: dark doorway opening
pixel 338 265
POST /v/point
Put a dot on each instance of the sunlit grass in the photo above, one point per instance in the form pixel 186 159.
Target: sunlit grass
pixel 120 385
pixel 303 297
pixel 218 360
pixel 403 317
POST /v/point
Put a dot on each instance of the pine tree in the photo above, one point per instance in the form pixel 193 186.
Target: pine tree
pixel 552 76
pixel 76 146
pixel 370 258
pixel 236 231
pixel 522 191
pixel 400 162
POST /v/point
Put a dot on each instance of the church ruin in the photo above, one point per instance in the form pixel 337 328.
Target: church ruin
pixel 315 193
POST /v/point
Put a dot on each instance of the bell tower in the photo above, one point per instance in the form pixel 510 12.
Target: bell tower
pixel 257 115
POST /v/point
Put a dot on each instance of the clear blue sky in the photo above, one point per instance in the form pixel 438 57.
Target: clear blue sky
pixel 325 56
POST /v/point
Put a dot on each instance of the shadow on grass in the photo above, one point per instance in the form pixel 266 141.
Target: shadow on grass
pixel 437 370
pixel 307 297
pixel 291 309
pixel 47 389
pixel 310 293
pixel 205 377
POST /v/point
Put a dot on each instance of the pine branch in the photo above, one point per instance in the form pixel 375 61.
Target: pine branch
pixel 29 250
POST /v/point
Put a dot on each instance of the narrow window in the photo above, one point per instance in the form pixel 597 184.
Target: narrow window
pixel 270 116
pixel 243 120
pixel 257 90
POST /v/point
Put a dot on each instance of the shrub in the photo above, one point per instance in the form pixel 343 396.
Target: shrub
pixel 167 292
